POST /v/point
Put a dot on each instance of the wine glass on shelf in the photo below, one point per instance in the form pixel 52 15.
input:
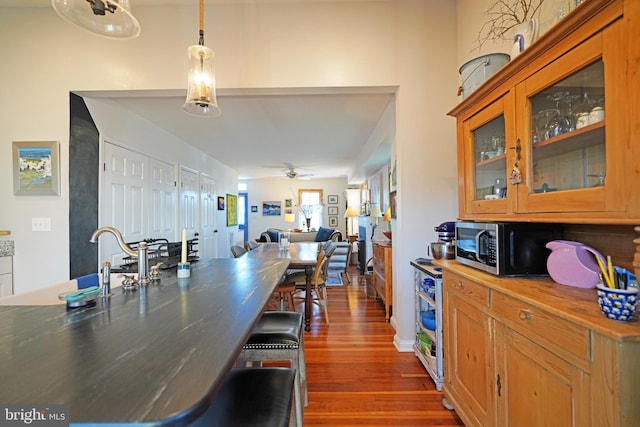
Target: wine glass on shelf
pixel 558 124
pixel 543 126
pixel 600 176
pixel 569 99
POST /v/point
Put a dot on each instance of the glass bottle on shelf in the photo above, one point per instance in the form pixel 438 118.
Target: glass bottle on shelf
pixel 567 128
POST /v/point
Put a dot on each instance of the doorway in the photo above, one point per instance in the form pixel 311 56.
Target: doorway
pixel 243 217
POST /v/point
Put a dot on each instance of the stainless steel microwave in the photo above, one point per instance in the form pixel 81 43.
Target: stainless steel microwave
pixel 505 248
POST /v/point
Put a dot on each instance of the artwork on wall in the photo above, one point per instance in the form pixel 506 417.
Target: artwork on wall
pixel 392 203
pixel 232 210
pixel 271 208
pixel 36 168
pixel 220 203
pixel 332 210
pixel 288 203
pixel 254 208
pixel 333 199
pixel 333 221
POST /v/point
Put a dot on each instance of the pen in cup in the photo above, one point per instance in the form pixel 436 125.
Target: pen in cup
pixel 605 275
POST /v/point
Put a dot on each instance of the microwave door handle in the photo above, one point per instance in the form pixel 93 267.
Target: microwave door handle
pixel 477 254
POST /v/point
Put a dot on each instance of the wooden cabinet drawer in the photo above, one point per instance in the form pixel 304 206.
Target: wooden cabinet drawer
pixel 542 326
pixel 467 288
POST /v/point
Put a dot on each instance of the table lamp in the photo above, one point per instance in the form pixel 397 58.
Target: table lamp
pixel 387 216
pixel 350 214
pixel 290 218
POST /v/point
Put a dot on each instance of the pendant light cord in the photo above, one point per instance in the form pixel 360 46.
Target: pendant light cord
pixel 201 41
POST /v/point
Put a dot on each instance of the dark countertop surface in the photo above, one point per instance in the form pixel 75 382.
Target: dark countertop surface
pixel 153 357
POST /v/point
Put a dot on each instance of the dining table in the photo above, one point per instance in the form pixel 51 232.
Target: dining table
pixel 301 256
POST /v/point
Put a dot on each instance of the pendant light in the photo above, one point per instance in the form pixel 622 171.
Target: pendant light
pixel 201 90
pixel 108 18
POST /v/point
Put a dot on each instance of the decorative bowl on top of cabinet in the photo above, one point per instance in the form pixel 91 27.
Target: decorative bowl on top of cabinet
pixel 549 136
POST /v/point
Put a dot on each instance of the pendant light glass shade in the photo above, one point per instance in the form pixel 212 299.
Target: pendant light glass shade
pixel 201 90
pixel 108 18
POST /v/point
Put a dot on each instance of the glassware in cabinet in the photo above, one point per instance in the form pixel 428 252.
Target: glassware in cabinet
pixel 571 124
pixel 485 143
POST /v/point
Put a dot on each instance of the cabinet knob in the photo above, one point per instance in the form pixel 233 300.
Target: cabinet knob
pixel 524 315
pixel 461 284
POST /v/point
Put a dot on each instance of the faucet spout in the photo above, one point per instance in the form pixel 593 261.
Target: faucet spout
pixel 118 236
pixel 141 254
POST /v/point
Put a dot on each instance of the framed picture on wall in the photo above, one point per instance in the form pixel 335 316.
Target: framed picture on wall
pixel 254 208
pixel 36 168
pixel 332 210
pixel 220 203
pixel 271 208
pixel 392 203
pixel 232 210
pixel 333 221
pixel 333 199
pixel 288 203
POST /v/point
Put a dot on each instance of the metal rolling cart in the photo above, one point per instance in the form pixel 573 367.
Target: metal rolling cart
pixel 428 345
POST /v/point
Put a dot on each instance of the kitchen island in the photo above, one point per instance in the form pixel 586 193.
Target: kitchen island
pixel 156 356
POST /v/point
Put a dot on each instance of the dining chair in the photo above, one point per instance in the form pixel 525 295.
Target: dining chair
pixel 250 245
pixel 237 250
pixel 318 279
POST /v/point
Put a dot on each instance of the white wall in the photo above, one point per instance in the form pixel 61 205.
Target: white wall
pixel 279 190
pixel 409 44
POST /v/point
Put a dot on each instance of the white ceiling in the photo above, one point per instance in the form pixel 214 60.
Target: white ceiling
pixel 321 132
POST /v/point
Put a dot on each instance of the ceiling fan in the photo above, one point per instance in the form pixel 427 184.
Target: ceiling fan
pixel 293 174
pixel 290 171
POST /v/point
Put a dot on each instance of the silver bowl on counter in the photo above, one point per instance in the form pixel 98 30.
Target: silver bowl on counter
pixel 446 250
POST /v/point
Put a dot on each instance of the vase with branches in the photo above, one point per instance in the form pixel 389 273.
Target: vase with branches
pixel 307 211
pixel 503 16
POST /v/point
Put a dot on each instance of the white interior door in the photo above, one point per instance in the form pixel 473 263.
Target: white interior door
pixel 208 239
pixel 123 204
pixel 189 201
pixel 164 196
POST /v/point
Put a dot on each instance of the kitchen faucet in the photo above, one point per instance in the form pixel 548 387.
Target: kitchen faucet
pixel 142 252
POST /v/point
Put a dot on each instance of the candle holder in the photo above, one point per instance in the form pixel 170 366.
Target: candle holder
pixel 184 270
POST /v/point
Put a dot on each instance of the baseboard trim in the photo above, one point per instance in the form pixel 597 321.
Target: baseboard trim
pixel 403 346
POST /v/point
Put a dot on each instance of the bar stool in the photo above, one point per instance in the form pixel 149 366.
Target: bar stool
pixel 249 397
pixel 278 336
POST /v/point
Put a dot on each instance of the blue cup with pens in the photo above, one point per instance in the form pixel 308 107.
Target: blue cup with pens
pixel 618 291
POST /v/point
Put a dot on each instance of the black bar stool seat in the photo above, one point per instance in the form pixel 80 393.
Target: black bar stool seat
pixel 278 336
pixel 252 397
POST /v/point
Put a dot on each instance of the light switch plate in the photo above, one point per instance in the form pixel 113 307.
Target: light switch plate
pixel 40 224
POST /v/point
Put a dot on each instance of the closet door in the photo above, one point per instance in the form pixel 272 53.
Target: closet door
pixel 124 204
pixel 164 200
pixel 207 245
pixel 189 201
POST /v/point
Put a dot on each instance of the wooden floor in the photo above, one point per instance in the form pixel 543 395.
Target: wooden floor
pixel 355 374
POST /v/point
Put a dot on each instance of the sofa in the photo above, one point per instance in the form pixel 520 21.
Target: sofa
pixel 321 235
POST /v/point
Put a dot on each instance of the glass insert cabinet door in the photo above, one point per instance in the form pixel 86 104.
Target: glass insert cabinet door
pixel 567 122
pixel 572 121
pixel 486 159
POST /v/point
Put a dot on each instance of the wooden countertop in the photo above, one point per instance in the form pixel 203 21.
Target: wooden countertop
pixel 576 304
pixel 153 357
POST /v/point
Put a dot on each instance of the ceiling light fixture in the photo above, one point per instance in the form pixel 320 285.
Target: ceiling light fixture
pixel 201 90
pixel 108 18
